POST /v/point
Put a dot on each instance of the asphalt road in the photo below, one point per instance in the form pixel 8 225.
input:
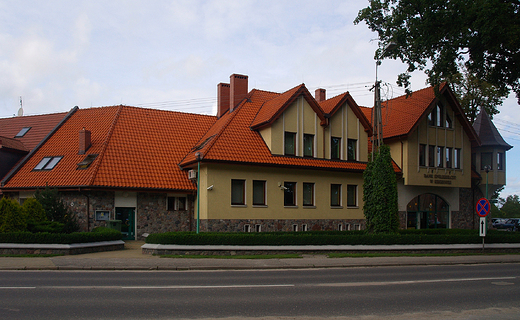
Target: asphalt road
pixel 463 292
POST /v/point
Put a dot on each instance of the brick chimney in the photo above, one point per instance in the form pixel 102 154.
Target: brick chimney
pixel 222 98
pixel 84 141
pixel 319 95
pixel 238 90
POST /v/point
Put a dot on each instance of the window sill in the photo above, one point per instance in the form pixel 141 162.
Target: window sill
pixel 336 207
pixel 291 207
pixel 352 207
pixel 309 207
pixel 260 206
pixel 239 205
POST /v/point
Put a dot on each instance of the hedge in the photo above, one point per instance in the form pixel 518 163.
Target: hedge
pixel 104 234
pixel 447 236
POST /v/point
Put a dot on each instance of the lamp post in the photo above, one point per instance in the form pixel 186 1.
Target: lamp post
pixel 198 155
pixel 487 169
pixel 377 121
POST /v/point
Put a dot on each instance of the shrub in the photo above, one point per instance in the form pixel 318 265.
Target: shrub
pixel 56 210
pixel 11 217
pixel 33 210
pixel 45 226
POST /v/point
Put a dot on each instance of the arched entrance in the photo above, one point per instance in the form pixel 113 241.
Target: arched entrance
pixel 427 211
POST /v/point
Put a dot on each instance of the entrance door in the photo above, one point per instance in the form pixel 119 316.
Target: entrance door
pixel 127 218
pixel 427 211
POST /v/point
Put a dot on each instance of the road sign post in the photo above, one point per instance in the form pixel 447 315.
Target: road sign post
pixel 483 207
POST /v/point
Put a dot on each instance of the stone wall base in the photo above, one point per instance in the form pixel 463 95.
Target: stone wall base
pixel 60 249
pixel 270 225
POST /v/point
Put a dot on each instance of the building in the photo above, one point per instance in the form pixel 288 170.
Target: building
pixel 267 161
pixel 433 143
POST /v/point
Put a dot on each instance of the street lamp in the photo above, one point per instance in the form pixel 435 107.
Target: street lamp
pixel 487 168
pixel 198 155
pixel 377 121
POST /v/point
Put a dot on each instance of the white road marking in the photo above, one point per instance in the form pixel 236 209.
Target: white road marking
pixel 385 283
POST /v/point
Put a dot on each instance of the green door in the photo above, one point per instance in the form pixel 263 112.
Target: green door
pixel 127 218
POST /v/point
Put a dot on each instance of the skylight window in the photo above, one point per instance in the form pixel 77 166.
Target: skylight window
pixel 22 132
pixel 87 161
pixel 47 163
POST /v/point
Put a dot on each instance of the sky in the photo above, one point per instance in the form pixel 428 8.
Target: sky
pixel 171 55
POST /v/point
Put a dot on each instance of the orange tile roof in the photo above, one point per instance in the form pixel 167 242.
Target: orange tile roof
pixel 136 147
pixel 332 105
pixel 40 126
pixel 273 108
pixel 234 141
pixel 402 115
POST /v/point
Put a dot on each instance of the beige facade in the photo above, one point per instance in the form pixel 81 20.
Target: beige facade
pixel 216 193
pixel 449 171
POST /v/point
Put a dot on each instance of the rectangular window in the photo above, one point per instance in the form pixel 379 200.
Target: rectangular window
pixel 181 203
pixel 432 116
pixel 449 123
pixel 449 163
pixel 431 156
pixel 456 158
pixel 486 159
pixel 440 157
pixel 335 148
pixel 295 227
pixel 258 228
pixel 351 195
pixel 289 194
pixel 238 191
pixel 176 203
pixel 47 163
pixel 247 228
pixel 290 143
pixel 335 195
pixel 351 149
pixel 422 155
pixel 170 206
pixel 308 145
pixel 500 161
pixel 440 115
pixel 304 227
pixel 258 193
pixel 308 194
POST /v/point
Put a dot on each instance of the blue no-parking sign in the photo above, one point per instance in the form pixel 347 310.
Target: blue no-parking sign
pixel 483 207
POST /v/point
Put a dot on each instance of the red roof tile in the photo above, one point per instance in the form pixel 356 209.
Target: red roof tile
pixel 40 125
pixel 12 144
pixel 402 115
pixel 136 147
pixel 273 108
pixel 234 141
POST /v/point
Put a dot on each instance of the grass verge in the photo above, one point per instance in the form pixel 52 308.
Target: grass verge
pixel 29 255
pixel 375 255
pixel 252 256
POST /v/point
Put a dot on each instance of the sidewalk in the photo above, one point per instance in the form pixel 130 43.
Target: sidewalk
pixel 131 258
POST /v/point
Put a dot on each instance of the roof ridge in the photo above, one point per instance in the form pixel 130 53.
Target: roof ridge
pixel 105 145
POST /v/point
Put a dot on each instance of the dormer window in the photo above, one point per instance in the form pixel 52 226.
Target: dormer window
pixel 335 148
pixel 22 132
pixel 47 163
pixel 351 149
pixel 436 117
pixel 290 143
pixel 87 161
pixel 308 145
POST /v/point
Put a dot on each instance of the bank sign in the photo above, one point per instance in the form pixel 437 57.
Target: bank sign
pixel 440 178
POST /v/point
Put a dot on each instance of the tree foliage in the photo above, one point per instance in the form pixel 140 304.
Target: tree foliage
pixel 438 36
pixel 11 217
pixel 56 210
pixel 510 207
pixel 33 210
pixel 380 194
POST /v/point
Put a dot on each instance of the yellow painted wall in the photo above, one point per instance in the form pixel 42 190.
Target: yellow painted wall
pixel 300 118
pixel 413 174
pixel 216 203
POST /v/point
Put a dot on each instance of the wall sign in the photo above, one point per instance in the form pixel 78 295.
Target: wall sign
pixel 102 215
